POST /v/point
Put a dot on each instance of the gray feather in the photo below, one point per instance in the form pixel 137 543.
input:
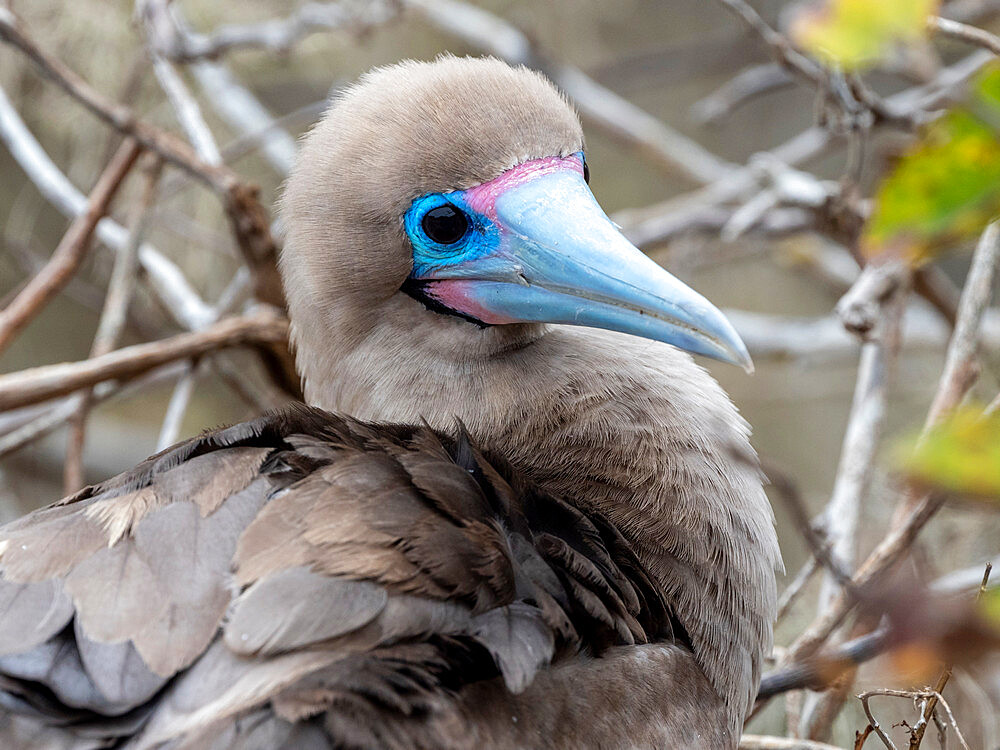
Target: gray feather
pixel 297 607
pixel 31 613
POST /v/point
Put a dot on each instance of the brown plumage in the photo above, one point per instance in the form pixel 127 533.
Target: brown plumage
pixel 590 566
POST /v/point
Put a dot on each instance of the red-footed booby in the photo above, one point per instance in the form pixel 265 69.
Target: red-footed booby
pixel 515 513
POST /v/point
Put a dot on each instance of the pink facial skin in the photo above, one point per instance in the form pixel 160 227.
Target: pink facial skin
pixel 483 198
pixel 462 295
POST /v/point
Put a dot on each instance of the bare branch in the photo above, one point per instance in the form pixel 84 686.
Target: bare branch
pixel 860 309
pixel 56 414
pixel 249 219
pixel 860 447
pixel 275 35
pixel 71 249
pixel 112 322
pixel 796 587
pixel 600 106
pixel 262 327
pixel 169 284
pixel 964 32
pixel 760 742
pixel 910 694
pixel 646 226
pixel 181 396
pixel 820 670
pixel 960 362
pixel 873 722
pixel 119 116
pixel 951 387
pixel 187 110
pixel 781 48
pixel 241 109
pixel 783 337
pixel 918 729
pixel 177 407
pixel 745 85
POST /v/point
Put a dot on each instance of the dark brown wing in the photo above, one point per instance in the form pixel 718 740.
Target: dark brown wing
pixel 297 565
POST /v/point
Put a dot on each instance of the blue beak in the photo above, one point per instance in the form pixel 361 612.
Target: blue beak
pixel 560 259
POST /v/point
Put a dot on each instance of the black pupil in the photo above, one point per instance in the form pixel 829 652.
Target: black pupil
pixel 445 225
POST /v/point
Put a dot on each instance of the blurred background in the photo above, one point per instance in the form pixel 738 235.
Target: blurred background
pixel 675 62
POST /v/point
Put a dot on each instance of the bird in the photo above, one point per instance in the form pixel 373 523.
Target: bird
pixel 513 511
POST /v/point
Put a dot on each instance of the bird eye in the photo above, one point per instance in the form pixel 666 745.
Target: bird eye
pixel 445 224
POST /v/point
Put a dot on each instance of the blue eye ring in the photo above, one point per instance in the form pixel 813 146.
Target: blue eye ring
pixel 421 230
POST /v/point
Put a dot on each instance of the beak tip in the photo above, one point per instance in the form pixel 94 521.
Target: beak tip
pixel 740 357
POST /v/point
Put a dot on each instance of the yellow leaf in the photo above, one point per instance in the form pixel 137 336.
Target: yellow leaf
pixel 961 455
pixel 946 186
pixel 858 33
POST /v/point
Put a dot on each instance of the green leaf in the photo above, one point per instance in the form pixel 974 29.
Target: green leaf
pixel 946 187
pixel 989 606
pixel 960 456
pixel 857 33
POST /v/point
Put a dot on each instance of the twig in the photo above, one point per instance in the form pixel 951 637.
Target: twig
pixel 781 48
pixel 745 85
pixel 241 109
pixel 783 337
pixel 262 327
pixel 858 455
pixel 861 737
pixel 918 730
pixel 187 110
pixel 57 413
pixel 897 542
pixel 181 396
pixel 818 671
pixel 71 249
pixel 177 407
pixel 119 116
pixel 170 35
pixel 276 35
pixel 817 544
pixel 796 587
pixel 166 279
pixel 761 742
pixel 873 722
pixel 644 225
pixel 181 101
pixel 965 33
pixel 860 309
pixel 960 362
pixel 603 108
pixel 866 696
pixel 249 219
pixel 112 322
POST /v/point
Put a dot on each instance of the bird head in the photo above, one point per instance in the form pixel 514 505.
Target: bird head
pixel 450 199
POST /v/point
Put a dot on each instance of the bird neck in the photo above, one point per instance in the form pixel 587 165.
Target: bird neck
pixel 631 428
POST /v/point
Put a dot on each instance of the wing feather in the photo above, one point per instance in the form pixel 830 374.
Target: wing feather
pixel 230 588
